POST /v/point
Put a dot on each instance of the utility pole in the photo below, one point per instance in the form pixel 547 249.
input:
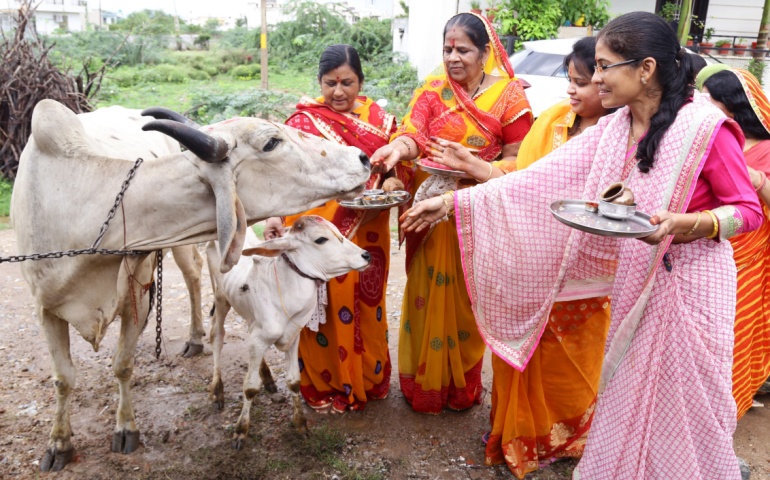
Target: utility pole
pixel 263 44
pixel 764 28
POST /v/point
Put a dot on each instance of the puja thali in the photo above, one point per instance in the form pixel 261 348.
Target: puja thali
pixel 441 171
pixel 574 214
pixel 364 202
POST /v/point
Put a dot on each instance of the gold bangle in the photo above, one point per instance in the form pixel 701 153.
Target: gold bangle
pixel 408 147
pixel 490 172
pixel 697 222
pixel 446 203
pixel 716 225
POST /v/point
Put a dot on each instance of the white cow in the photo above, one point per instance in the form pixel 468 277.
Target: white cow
pixel 277 296
pixel 233 174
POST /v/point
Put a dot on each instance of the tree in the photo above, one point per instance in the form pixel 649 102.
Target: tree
pixel 147 22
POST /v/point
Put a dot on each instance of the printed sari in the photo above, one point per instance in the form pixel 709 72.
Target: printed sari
pixel 545 411
pixel 440 351
pixel 665 408
pixel 347 361
pixel 751 358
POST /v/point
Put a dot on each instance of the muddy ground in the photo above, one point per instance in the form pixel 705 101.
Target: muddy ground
pixel 184 437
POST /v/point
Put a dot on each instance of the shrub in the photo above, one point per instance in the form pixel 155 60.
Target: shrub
pixel 215 106
pixel 246 72
pixel 125 77
pixel 166 73
pixel 392 79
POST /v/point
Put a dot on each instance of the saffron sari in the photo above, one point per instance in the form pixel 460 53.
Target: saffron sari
pixel 347 361
pixel 545 411
pixel 440 351
pixel 665 408
pixel 751 358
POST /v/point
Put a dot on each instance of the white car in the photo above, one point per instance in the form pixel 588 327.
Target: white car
pixel 541 64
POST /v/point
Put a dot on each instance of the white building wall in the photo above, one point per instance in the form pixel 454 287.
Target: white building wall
pixel 734 18
pixel 619 7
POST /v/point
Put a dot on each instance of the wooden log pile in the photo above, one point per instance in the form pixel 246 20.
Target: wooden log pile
pixel 27 76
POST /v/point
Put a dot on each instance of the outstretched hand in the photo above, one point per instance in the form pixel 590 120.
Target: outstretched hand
pixel 385 158
pixel 423 214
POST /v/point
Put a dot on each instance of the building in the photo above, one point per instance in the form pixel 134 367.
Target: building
pixel 50 15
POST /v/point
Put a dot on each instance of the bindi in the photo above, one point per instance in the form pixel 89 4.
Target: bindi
pixel 338 79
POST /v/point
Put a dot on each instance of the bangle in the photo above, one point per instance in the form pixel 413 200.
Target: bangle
pixel 697 222
pixel 716 225
pixel 408 147
pixel 762 182
pixel 490 172
pixel 446 203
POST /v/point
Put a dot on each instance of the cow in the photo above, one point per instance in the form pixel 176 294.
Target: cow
pixel 233 174
pixel 274 287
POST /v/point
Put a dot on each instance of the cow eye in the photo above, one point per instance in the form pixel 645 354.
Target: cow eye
pixel 271 144
pixel 321 240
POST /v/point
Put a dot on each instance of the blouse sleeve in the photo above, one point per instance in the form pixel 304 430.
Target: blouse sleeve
pixel 728 179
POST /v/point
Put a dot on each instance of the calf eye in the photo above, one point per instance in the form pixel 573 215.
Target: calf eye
pixel 271 144
pixel 321 240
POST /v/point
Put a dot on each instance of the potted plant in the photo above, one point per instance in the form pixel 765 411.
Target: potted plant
pixel 491 10
pixel 740 47
pixel 476 7
pixel 705 45
pixel 723 46
pixel 689 41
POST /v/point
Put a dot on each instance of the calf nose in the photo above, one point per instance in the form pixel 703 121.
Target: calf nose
pixel 366 256
pixel 364 160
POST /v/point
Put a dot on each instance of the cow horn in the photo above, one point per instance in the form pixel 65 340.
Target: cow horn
pixel 161 113
pixel 207 148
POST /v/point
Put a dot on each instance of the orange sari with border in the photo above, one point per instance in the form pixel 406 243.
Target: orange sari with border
pixel 440 351
pixel 546 410
pixel 751 250
pixel 347 362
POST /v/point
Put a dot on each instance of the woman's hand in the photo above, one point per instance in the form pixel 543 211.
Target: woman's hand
pixel 388 156
pixel 273 228
pixel 667 225
pixel 457 157
pixel 756 178
pixel 423 214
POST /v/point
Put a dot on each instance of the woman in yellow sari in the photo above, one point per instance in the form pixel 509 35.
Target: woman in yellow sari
pixel 476 102
pixel 545 411
pixel 738 93
pixel 346 361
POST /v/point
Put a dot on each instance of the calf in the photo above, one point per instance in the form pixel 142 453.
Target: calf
pixel 274 286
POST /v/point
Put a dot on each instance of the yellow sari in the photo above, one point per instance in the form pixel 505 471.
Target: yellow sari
pixel 546 410
pixel 440 350
pixel 347 361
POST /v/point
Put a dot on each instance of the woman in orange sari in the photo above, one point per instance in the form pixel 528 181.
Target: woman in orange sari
pixel 476 102
pixel 545 411
pixel 738 93
pixel 346 361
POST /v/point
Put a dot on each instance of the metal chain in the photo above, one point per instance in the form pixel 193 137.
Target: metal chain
pixel 158 306
pixel 94 248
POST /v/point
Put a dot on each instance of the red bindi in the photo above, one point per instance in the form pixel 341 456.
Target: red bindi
pixel 338 79
pixel 453 43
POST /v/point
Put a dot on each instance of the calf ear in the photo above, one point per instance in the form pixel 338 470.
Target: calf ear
pixel 270 248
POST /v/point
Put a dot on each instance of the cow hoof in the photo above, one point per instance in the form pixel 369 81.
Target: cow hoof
pixel 301 425
pixel 271 387
pixel 125 441
pixel 54 460
pixel 219 404
pixel 238 442
pixel 192 349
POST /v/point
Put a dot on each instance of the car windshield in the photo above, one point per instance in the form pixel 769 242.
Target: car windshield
pixel 528 62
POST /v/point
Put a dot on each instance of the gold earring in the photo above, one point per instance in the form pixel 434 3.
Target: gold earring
pixel 644 81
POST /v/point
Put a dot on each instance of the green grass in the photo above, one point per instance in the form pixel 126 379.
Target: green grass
pixel 6 187
pixel 176 96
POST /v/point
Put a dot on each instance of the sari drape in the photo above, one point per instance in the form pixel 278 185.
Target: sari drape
pixel 347 361
pixel 440 351
pixel 665 408
pixel 751 358
pixel 546 410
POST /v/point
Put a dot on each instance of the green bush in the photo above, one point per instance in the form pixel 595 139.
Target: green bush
pixel 216 106
pixel 246 72
pixel 125 77
pixel 6 188
pixel 392 79
pixel 165 73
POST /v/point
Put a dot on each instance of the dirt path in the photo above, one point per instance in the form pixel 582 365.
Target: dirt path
pixel 184 437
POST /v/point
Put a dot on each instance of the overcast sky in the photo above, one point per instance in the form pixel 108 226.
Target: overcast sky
pixel 185 8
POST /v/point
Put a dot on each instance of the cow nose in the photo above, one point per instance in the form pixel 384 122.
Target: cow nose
pixel 364 160
pixel 366 256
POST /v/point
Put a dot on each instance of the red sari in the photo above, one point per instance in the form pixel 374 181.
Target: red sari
pixel 347 361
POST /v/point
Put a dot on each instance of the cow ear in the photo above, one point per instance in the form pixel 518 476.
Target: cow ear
pixel 231 227
pixel 270 248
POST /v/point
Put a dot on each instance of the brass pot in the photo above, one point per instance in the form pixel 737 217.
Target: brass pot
pixel 617 193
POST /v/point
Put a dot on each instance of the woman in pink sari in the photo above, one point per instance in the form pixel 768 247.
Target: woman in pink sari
pixel 665 408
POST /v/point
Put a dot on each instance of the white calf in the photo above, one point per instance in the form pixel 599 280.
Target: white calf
pixel 277 296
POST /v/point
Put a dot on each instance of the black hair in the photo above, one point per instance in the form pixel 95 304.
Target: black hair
pixel 335 56
pixel 583 55
pixel 638 35
pixel 698 63
pixel 725 87
pixel 473 26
